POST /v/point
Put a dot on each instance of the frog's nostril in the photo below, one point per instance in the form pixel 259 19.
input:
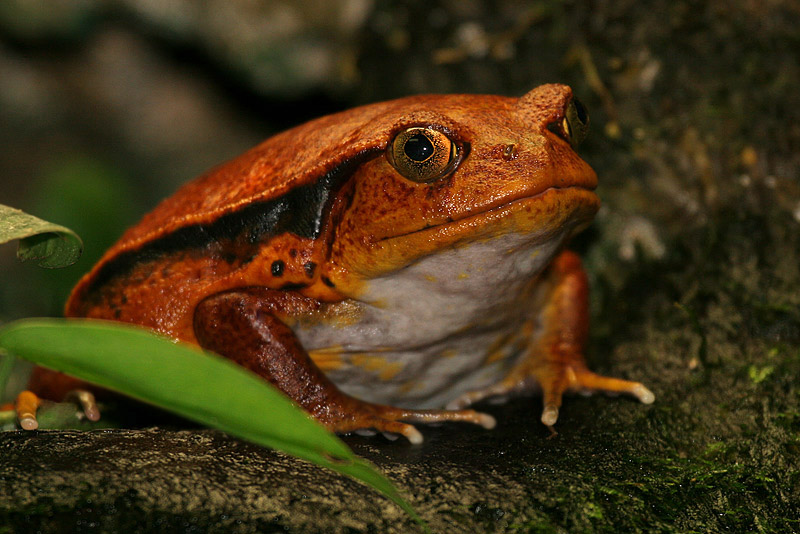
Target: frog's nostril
pixel 510 152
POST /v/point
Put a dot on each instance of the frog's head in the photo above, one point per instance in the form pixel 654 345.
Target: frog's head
pixel 466 168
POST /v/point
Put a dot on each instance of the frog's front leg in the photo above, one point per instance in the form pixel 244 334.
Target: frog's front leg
pixel 555 358
pixel 242 326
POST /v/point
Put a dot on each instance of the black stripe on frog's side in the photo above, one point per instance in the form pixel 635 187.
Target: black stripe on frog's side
pixel 237 236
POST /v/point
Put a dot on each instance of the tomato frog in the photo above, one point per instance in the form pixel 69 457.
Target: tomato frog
pixel 383 266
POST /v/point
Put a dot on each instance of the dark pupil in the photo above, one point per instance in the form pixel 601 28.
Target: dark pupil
pixel 418 147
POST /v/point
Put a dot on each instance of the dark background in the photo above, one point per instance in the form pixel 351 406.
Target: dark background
pixel 107 106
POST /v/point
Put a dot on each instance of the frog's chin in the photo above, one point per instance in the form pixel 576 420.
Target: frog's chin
pixel 549 210
pixel 551 215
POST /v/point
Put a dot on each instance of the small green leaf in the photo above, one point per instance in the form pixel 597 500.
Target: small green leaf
pixel 50 245
pixel 185 380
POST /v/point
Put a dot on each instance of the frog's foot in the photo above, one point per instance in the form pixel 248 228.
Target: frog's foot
pixel 554 383
pixel 576 377
pixel 352 415
pixel 27 405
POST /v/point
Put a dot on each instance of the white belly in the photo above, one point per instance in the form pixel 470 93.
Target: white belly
pixel 450 323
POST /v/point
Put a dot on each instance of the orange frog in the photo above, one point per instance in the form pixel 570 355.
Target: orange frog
pixel 387 265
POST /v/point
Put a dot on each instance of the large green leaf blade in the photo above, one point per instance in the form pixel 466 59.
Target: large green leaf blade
pixel 185 380
pixel 50 245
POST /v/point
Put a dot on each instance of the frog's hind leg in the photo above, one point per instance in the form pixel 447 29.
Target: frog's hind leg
pixel 244 326
pixel 555 360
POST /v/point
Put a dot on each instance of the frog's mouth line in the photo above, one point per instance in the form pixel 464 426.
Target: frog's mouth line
pixel 508 205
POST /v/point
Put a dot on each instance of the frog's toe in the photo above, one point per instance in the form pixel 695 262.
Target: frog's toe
pixel 549 415
pixel 26 406
pixel 583 379
pixel 644 395
pixel 465 400
pixel 459 416
pixel 86 401
pixel 389 428
pixel 552 392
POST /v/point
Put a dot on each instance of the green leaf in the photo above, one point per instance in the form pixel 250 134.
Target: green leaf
pixel 50 245
pixel 185 380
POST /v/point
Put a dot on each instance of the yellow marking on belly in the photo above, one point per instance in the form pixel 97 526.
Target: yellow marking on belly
pixel 327 359
pixel 391 370
pixel 462 276
pixel 526 332
pixel 409 386
pixel 448 353
pixel 523 339
pixel 495 356
pixel 386 370
pixel 498 350
pixel 430 278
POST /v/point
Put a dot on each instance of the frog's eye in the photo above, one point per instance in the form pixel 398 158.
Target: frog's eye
pixel 422 154
pixel 575 123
